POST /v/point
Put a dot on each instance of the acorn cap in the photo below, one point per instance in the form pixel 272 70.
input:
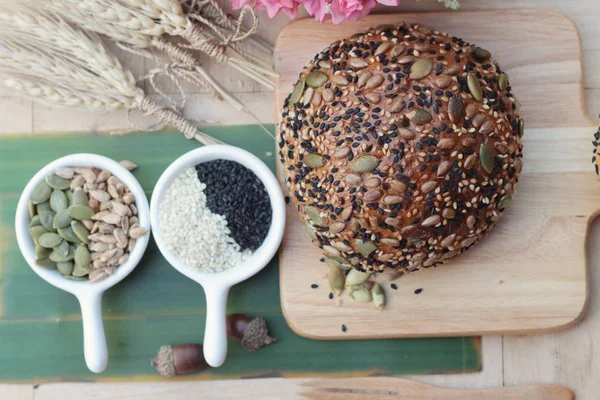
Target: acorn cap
pixel 256 335
pixel 164 361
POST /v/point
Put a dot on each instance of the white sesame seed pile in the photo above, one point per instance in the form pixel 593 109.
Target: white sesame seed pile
pixel 199 237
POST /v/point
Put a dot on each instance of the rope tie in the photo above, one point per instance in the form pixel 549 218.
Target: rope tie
pixel 212 47
pixel 150 107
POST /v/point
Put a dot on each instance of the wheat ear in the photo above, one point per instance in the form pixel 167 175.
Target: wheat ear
pixel 70 53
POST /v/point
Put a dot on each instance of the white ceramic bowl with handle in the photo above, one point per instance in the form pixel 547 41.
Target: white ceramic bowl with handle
pixel 216 285
pixel 89 294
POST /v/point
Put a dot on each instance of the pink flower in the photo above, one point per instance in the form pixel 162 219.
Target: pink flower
pixel 350 10
pixel 338 10
pixel 317 8
pixel 391 3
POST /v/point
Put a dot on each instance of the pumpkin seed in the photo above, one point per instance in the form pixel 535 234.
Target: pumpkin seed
pixel 365 248
pixel 68 234
pixel 35 221
pixel 297 92
pixel 45 206
pixel 41 193
pixel 378 296
pixel 422 117
pixel 316 79
pixel 80 212
pixel 57 183
pixel 421 68
pixel 82 259
pixel 313 214
pixel 365 163
pixel 314 160
pixel 46 264
pixel 503 81
pixel 456 108
pixel 336 279
pixel 65 267
pixel 58 201
pixel 62 248
pixel 57 256
pixel 79 272
pixel 69 195
pixel 360 294
pixel 310 230
pixel 480 55
pixel 486 158
pixel 333 263
pixel 31 209
pixel 75 278
pixel 80 197
pixel 504 201
pixel 47 219
pixel 49 240
pixel 474 87
pixel 37 231
pixel 356 277
pixel 80 231
pixel 521 127
pixel 62 219
pixel 41 253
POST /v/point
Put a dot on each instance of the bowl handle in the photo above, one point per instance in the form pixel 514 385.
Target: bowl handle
pixel 215 332
pixel 94 341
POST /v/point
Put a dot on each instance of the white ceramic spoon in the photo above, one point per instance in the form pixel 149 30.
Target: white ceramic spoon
pixel 216 285
pixel 88 294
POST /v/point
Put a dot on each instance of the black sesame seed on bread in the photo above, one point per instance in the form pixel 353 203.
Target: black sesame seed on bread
pixel 402 147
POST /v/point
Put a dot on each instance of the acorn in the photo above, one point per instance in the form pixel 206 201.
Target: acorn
pixel 179 360
pixel 253 333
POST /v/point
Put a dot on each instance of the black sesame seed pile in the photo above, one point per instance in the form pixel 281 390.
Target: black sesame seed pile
pixel 237 194
pixel 402 147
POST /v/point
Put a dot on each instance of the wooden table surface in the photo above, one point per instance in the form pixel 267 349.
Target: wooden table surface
pixel 570 358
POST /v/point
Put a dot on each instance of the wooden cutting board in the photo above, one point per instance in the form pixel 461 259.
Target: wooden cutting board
pixel 529 274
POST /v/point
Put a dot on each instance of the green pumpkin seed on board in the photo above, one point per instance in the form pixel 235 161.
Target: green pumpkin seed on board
pixel 378 296
pixel 360 294
pixel 356 277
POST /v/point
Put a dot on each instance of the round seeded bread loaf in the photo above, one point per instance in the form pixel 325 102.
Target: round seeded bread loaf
pixel 402 147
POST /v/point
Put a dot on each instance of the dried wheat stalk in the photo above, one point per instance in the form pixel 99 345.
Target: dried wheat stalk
pixel 158 17
pixel 45 58
pixel 128 30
